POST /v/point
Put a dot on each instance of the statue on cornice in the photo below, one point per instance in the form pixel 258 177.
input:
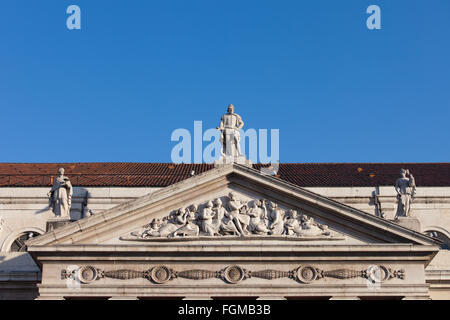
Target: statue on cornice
pixel 405 186
pixel 230 124
pixel 61 195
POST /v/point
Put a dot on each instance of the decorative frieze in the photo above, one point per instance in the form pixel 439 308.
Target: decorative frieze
pixel 234 274
pixel 372 273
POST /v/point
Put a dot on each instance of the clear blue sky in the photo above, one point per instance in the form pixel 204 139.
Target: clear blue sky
pixel 137 70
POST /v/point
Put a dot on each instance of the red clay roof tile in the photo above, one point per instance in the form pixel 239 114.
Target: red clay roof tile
pixel 164 174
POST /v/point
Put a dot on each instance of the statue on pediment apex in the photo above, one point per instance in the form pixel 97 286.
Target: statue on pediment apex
pixel 229 127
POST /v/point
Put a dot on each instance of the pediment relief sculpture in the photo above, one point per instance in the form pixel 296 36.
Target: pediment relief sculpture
pixel 233 217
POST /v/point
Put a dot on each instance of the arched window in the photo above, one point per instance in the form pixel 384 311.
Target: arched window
pixel 440 236
pixel 18 245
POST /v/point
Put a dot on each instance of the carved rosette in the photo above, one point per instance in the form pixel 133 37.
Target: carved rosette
pixel 161 274
pixel 307 274
pixel 87 274
pixel 234 274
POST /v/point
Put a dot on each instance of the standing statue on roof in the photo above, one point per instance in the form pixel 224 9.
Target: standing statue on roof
pixel 405 186
pixel 61 195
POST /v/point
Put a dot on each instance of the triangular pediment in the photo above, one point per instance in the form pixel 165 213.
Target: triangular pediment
pixel 319 220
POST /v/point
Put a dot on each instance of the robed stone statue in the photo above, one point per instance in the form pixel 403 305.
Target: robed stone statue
pixel 405 186
pixel 61 195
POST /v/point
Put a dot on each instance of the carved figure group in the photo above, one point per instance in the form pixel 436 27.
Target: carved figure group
pixel 239 218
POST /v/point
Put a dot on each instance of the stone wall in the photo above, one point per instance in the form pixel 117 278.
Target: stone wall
pixel 26 210
pixel 431 204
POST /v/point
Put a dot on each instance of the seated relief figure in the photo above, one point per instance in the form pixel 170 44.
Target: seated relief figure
pixel 153 231
pixel 241 221
pixel 310 228
pixel 166 227
pixel 292 224
pixel 238 218
pixel 209 225
pixel 226 225
pixel 276 216
pixel 258 217
pixel 304 227
pixel 189 228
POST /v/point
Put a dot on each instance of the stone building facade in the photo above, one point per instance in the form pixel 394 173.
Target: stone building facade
pixel 345 243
